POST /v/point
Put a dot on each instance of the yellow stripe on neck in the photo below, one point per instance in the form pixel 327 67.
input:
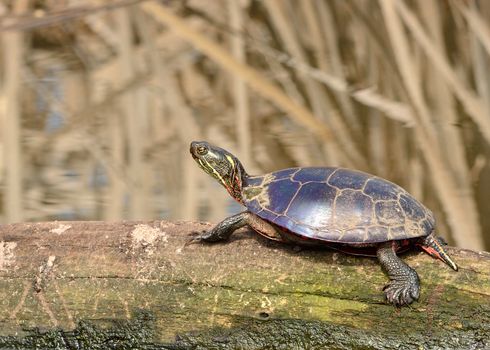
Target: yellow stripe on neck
pixel 218 175
pixel 230 159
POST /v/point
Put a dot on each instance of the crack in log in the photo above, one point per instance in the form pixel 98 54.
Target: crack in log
pixel 22 300
pixel 472 291
pixel 46 308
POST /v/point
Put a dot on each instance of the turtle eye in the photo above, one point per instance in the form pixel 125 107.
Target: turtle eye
pixel 201 150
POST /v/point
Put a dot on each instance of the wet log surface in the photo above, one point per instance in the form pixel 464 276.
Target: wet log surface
pixel 125 285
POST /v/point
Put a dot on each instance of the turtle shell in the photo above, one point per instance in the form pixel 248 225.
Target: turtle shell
pixel 337 205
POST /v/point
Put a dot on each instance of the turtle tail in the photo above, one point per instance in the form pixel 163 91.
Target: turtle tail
pixel 434 246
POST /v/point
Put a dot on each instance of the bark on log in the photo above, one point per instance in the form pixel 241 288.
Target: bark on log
pixel 91 285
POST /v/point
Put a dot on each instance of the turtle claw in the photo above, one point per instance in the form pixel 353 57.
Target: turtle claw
pixel 197 238
pixel 401 292
pixel 209 236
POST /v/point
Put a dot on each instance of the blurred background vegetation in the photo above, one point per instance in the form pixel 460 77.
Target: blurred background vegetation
pixel 99 101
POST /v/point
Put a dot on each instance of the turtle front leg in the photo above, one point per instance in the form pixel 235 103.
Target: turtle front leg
pixel 225 228
pixel 404 286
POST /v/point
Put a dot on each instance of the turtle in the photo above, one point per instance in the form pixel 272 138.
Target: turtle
pixel 348 210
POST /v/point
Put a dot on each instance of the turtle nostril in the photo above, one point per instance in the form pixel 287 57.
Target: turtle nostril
pixel 193 148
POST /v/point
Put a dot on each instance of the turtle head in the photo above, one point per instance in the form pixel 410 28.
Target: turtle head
pixel 220 164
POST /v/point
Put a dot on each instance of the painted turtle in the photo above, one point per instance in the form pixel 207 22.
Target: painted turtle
pixel 344 209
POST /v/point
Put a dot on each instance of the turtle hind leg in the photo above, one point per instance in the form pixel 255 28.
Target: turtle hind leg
pixel 404 285
pixel 434 246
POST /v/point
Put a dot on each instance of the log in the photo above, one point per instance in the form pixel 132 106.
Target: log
pixel 100 285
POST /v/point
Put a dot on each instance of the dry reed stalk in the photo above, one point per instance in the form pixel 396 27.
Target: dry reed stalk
pixel 301 155
pixel 115 195
pixel 377 130
pixel 320 104
pixel 240 92
pixel 117 189
pixel 471 102
pixel 477 24
pixel 416 177
pixel 443 104
pixel 398 153
pixel 480 39
pixel 367 96
pixel 187 130
pixel 133 116
pixel 181 115
pixel 13 50
pixel 262 86
pixel 404 60
pixel 461 213
pixel 98 23
pixel 481 73
pixel 3 101
pixel 282 76
pixel 377 143
pixel 275 70
pixel 158 129
pixel 313 39
pixel 148 31
pixel 64 15
pixel 333 59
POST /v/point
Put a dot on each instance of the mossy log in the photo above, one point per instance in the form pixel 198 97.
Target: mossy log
pixel 91 285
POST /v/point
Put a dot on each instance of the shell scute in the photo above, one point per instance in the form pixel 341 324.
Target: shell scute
pixel 377 233
pixel 254 180
pixel 413 210
pixel 345 178
pixel 317 209
pixel 289 224
pixel 284 174
pixel 397 232
pixel 389 213
pixel 428 225
pixel 353 208
pixel 357 234
pixel 313 174
pixel 379 189
pixel 254 206
pixel 280 193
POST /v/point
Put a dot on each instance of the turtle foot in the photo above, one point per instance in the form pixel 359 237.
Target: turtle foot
pixel 208 236
pixel 196 237
pixel 402 292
